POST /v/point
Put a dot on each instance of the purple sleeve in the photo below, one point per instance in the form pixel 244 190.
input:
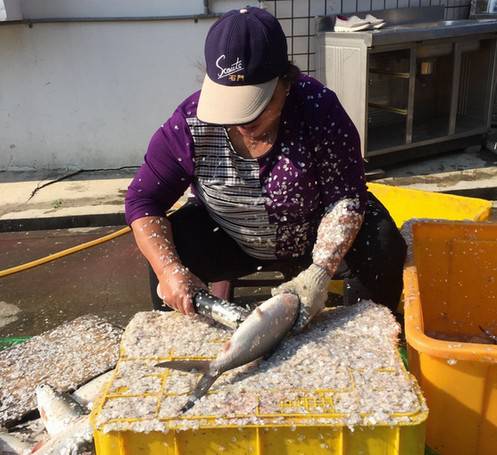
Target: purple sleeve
pixel 166 173
pixel 341 168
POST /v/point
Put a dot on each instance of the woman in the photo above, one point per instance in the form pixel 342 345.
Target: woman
pixel 275 165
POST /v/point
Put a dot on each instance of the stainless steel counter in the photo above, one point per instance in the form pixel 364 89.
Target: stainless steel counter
pixel 409 33
pixel 418 85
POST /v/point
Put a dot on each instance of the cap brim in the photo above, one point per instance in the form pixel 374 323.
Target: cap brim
pixel 233 105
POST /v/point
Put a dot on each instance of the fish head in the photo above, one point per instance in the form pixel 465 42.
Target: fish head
pixel 282 307
pixel 292 300
pixel 56 409
pixel 45 395
pixel 44 392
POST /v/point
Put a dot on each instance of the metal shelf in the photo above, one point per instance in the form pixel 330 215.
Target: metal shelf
pixel 395 110
pixel 390 73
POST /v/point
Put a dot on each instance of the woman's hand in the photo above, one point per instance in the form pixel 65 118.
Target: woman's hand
pixel 177 286
pixel 311 287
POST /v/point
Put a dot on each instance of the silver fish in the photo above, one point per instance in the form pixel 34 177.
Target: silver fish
pixel 57 410
pixel 10 445
pixel 88 393
pixel 66 421
pixel 75 439
pixel 257 336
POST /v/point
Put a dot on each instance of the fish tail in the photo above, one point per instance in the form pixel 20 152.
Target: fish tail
pixel 189 366
pixel 203 385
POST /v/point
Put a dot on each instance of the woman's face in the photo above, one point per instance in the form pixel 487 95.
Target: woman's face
pixel 269 117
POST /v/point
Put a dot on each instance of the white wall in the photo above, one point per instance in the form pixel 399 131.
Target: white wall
pixel 97 8
pixel 90 95
pixel 42 9
pixel 10 10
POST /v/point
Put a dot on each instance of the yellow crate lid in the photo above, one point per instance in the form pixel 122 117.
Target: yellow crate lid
pixel 343 371
pixel 406 203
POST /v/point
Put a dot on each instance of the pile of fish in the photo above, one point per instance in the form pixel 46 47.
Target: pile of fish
pixel 63 427
pixel 39 374
pixel 65 357
pixel 345 364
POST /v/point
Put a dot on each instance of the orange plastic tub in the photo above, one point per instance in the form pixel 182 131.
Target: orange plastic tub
pixel 450 295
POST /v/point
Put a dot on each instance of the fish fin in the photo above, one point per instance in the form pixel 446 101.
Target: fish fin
pixel 43 415
pixel 227 345
pixel 203 385
pixel 37 446
pixel 186 365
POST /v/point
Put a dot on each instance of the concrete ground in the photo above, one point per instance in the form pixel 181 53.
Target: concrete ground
pixel 111 279
pixel 47 194
pixel 108 279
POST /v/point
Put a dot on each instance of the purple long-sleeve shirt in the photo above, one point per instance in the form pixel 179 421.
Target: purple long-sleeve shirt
pixel 271 205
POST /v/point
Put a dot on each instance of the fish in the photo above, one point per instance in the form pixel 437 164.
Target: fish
pixel 258 336
pixel 75 439
pixel 89 392
pixel 10 445
pixel 66 421
pixel 57 410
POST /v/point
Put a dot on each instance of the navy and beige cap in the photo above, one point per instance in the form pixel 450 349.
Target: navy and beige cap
pixel 245 54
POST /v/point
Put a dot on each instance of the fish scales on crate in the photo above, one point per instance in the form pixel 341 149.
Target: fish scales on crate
pixel 343 371
pixel 258 336
pixel 64 358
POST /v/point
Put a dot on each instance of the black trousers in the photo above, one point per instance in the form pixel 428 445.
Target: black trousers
pixel 371 269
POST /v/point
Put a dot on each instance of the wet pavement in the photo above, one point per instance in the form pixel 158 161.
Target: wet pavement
pixel 109 280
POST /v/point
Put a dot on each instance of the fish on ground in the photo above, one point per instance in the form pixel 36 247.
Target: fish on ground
pixel 66 421
pixel 258 336
pixel 75 439
pixel 57 410
pixel 65 418
pixel 10 445
pixel 89 392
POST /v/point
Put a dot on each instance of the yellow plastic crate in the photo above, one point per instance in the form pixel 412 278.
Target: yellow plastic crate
pixel 286 431
pixel 404 204
pixel 269 441
pixel 450 291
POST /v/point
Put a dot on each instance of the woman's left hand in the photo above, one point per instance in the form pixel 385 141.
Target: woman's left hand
pixel 311 287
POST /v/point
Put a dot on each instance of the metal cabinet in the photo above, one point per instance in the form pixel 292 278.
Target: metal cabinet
pixel 416 88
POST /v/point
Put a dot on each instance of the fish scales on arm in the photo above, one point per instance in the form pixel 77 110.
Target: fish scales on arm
pixel 257 336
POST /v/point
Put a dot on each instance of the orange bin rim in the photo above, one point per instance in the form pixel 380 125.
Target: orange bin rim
pixel 413 311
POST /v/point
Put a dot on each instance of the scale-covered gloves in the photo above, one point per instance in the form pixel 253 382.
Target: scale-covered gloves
pixel 311 287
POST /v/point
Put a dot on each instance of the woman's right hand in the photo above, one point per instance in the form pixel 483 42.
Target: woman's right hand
pixel 177 286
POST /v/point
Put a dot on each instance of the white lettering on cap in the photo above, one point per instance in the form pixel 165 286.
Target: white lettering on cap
pixel 244 11
pixel 233 68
